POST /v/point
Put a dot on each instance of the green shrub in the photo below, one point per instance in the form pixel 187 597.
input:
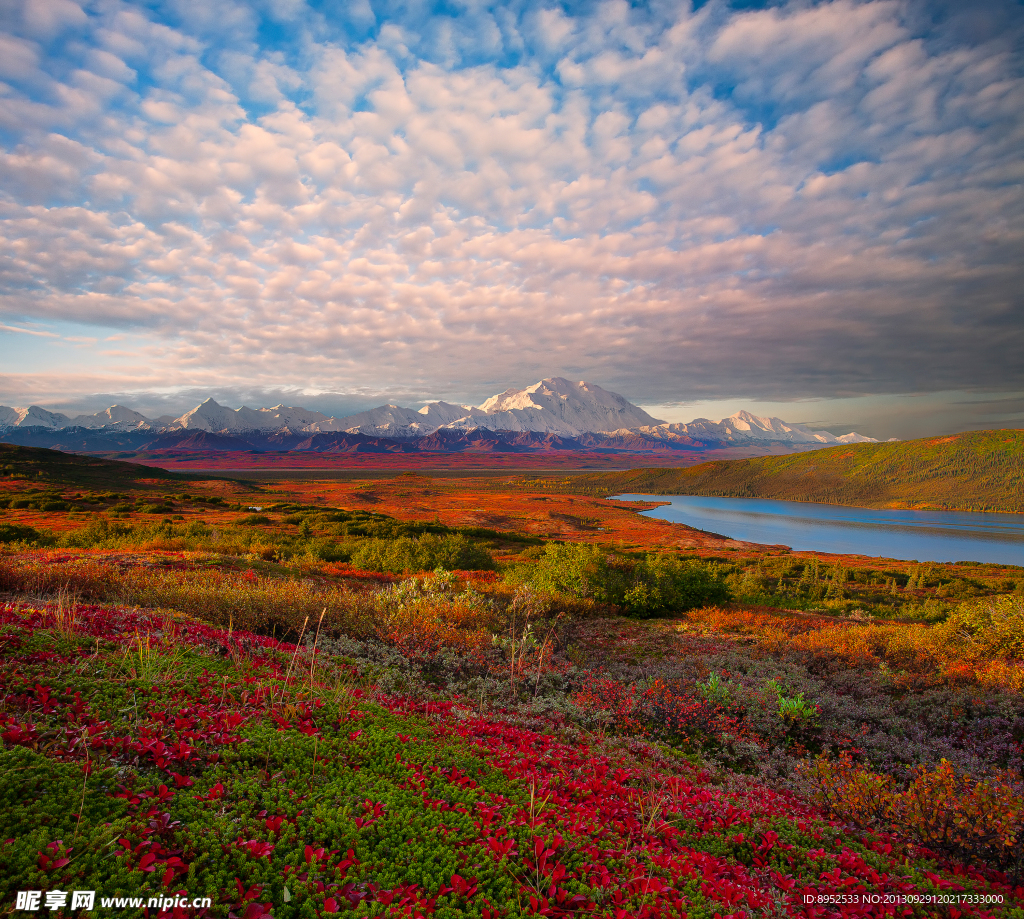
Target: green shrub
pixel 994 625
pixel 576 569
pixel 12 532
pixel 715 689
pixel 98 533
pixel 795 709
pixel 327 550
pixel 663 583
pixel 655 584
pixel 423 554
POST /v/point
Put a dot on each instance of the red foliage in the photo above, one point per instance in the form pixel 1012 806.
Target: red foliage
pixel 645 837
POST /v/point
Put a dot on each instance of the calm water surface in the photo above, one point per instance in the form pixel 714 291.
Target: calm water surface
pixel 925 536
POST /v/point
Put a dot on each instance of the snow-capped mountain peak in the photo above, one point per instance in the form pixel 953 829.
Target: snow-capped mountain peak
pixel 295 419
pixel 33 416
pixel 550 406
pixel 746 421
pixel 770 428
pixel 747 428
pixel 209 415
pixel 117 416
pixel 558 406
pixel 779 430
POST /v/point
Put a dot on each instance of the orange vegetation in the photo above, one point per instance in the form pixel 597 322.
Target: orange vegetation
pixel 501 504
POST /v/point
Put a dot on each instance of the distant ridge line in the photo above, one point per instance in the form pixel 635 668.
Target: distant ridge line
pixel 553 414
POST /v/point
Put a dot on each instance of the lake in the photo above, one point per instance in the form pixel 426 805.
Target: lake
pixel 924 536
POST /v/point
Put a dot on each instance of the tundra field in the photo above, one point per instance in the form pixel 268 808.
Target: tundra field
pixel 489 697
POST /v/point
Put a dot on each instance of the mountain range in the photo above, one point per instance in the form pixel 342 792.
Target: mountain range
pixel 553 414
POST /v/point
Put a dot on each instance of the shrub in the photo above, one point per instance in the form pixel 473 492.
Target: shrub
pixel 673 712
pixel 945 810
pixel 242 600
pixel 775 625
pixel 655 584
pixel 12 532
pixel 245 600
pixel 423 554
pixel 84 577
pixel 715 689
pixel 421 616
pixel 663 583
pixel 577 569
pixel 993 626
pixel 793 710
pixel 323 549
pixel 99 532
pixel 834 647
pixel 254 520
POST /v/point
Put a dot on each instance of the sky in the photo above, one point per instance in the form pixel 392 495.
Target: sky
pixel 808 209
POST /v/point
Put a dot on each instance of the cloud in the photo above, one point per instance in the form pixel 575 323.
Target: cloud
pixel 793 202
pixel 36 332
pixel 48 18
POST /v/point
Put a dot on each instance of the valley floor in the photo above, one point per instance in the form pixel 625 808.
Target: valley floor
pixel 234 691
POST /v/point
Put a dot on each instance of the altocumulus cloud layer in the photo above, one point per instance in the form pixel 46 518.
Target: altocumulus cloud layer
pixel 805 200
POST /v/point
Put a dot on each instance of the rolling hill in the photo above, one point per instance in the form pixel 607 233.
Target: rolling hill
pixel 52 468
pixel 976 471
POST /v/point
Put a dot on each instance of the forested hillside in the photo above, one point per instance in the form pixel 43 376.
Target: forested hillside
pixel 978 471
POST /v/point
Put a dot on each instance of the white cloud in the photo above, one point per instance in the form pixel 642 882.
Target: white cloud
pixel 36 332
pixel 110 65
pixel 48 18
pixel 18 58
pixel 799 201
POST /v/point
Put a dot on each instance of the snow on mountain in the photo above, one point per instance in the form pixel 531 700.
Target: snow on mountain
pixel 33 416
pixel 395 421
pixel 208 416
pixel 745 428
pixel 117 417
pixel 296 420
pixel 775 429
pixel 445 413
pixel 553 406
pixel 217 419
pixel 558 406
pixel 762 428
pixel 745 425
pixel 387 421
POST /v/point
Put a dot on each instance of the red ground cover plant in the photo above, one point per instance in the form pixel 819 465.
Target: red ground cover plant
pixel 344 570
pixel 243 766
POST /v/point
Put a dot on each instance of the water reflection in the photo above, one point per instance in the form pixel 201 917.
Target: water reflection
pixel 934 536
